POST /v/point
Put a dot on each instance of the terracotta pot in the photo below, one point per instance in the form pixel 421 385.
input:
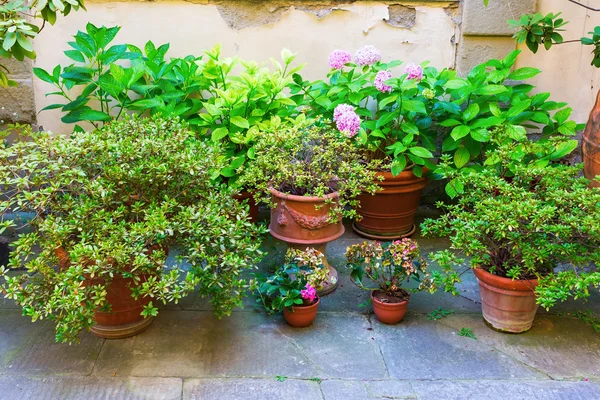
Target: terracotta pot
pixel 591 145
pixel 390 213
pixel 296 221
pixel 507 305
pixel 301 316
pixel 124 319
pixel 253 207
pixel 388 313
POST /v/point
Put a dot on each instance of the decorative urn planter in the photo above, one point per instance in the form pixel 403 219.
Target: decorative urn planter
pixel 125 317
pixel 302 222
pixel 389 214
pixel 301 316
pixel 507 305
pixel 590 146
pixel 388 313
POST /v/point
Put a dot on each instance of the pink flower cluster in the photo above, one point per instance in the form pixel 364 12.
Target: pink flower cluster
pixel 346 119
pixel 414 71
pixel 380 79
pixel 339 58
pixel 367 55
pixel 310 293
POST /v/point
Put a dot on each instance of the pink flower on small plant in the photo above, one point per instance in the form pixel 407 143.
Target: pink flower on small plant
pixel 367 55
pixel 339 58
pixel 310 293
pixel 380 79
pixel 414 71
pixel 346 119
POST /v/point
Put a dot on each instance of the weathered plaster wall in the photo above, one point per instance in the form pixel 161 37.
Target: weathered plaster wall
pixel 410 31
pixel 567 72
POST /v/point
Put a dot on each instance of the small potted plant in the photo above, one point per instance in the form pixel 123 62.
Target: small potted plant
pixel 293 288
pixel 107 206
pixel 310 174
pixel 530 227
pixel 388 265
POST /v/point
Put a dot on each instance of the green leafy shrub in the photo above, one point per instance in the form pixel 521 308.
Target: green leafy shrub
pixel 107 200
pixel 294 283
pixel 304 157
pixel 521 218
pixel 388 265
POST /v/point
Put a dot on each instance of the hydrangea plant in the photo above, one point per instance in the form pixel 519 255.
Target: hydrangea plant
pixel 109 203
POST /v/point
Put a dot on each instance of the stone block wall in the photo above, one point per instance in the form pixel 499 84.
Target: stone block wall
pixel 17 104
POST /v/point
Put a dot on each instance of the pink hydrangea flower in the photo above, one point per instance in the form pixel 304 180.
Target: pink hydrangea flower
pixel 367 55
pixel 380 79
pixel 414 71
pixel 346 119
pixel 339 58
pixel 310 293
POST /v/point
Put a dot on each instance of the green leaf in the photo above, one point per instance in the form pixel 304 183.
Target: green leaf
pixel 471 112
pixel 85 115
pixel 414 106
pixel 219 134
pixel 420 152
pixel 562 115
pixel 240 122
pixel 489 90
pixel 9 40
pixel 388 100
pixel 460 131
pixel 75 55
pixel 145 104
pixel 461 157
pixel 410 128
pixel 44 76
pixel 480 135
pixel 450 122
pixel 564 149
pixel 398 165
pixel 385 119
pixel 523 73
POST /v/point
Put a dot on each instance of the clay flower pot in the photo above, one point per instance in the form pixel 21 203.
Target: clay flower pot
pixel 296 221
pixel 390 213
pixel 253 211
pixel 388 313
pixel 590 145
pixel 507 305
pixel 301 316
pixel 124 319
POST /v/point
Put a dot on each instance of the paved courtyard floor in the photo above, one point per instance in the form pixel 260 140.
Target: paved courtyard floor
pixel 347 354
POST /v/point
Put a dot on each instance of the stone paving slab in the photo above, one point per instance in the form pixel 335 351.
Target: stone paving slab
pixel 421 349
pixel 250 389
pixel 195 344
pixel 78 388
pixel 16 334
pixel 561 347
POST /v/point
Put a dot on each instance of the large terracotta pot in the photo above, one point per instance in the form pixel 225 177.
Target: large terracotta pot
pixel 390 213
pixel 591 145
pixel 301 316
pixel 507 305
pixel 296 221
pixel 388 313
pixel 253 207
pixel 124 319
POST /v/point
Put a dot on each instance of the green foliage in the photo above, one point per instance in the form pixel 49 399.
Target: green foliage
pixel 388 265
pixel 522 216
pixel 467 332
pixel 284 289
pixel 280 378
pixel 438 314
pixel 110 203
pixel 16 32
pixel 594 40
pixel 305 157
pixel 538 29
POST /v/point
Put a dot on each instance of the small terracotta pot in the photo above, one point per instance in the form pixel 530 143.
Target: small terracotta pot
pixel 301 316
pixel 253 207
pixel 507 305
pixel 388 313
pixel 390 213
pixel 303 221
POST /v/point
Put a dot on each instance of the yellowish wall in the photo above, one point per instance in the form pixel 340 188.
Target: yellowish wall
pixel 567 72
pixel 192 28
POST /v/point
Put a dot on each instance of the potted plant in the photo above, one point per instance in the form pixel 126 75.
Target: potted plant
pixel 310 175
pixel 390 115
pixel 293 288
pixel 530 227
pixel 388 265
pixel 107 207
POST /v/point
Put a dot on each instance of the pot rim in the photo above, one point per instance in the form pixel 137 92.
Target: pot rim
pixel 304 309
pixel 303 199
pixel 521 285
pixel 387 305
pixel 404 175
